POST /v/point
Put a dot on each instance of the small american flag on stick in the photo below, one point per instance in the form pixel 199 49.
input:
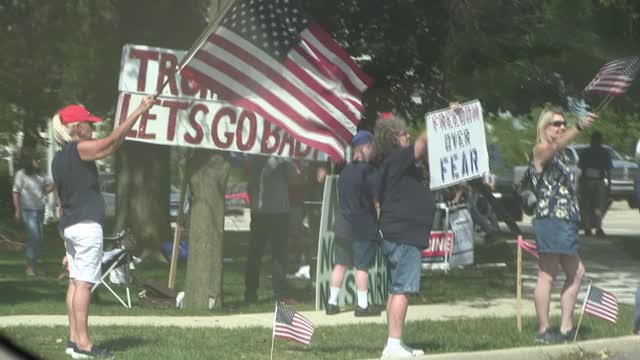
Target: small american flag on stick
pixel 602 304
pixel 291 325
pixel 615 77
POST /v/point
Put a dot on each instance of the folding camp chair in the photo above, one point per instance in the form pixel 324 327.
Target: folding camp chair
pixel 117 261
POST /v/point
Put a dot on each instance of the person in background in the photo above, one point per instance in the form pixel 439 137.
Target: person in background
pixel 29 189
pixel 556 220
pixel 297 240
pixel 407 210
pixel 356 230
pixel 269 192
pixel 83 211
pixel 595 164
pixel 313 212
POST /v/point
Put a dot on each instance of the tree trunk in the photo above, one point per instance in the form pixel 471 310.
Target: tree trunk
pixel 142 201
pixel 208 173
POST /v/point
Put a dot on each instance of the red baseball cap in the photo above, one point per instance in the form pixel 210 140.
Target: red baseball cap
pixel 76 113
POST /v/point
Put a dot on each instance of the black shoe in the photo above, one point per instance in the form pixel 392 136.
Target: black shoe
pixel 569 335
pixel 550 336
pixel 368 311
pixel 600 233
pixel 95 353
pixel 587 232
pixel 332 309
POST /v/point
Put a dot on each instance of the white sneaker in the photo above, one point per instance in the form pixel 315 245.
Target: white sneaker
pixel 303 273
pixel 399 352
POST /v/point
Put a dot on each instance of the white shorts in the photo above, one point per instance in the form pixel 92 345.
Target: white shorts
pixel 84 251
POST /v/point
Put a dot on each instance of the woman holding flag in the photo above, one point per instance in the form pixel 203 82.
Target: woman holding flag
pixel 556 221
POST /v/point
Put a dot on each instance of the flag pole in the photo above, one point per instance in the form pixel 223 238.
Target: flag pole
pixel 214 24
pixel 603 103
pixel 519 286
pixel 273 330
pixel 584 304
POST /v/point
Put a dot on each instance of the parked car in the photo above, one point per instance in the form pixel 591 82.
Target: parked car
pixel 236 200
pixel 622 174
pixel 107 183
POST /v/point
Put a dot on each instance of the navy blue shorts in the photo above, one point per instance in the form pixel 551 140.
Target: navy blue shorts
pixel 358 253
pixel 403 267
pixel 556 236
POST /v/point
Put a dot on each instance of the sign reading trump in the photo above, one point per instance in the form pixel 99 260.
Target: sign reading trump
pixel 187 115
pixel 457 145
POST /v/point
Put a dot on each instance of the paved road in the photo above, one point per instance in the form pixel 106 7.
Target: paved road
pixel 608 266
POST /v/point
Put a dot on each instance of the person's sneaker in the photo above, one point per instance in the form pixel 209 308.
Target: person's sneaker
pixel 331 309
pixel 30 271
pixel 304 273
pixel 569 335
pixel 600 233
pixel 96 352
pixel 550 336
pixel 368 311
pixel 399 352
pixel 70 346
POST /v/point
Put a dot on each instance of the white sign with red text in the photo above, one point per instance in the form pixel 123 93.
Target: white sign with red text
pixel 185 115
pixel 457 145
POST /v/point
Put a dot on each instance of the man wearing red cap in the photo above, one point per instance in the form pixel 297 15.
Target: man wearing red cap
pixel 76 178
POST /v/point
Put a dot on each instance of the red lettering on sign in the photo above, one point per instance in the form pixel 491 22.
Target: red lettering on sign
pixel 225 111
pixel 253 129
pixel 144 118
pixel 167 69
pixel 124 109
pixel 173 106
pixel 195 125
pixel 267 134
pixel 299 153
pixel 286 139
pixel 144 56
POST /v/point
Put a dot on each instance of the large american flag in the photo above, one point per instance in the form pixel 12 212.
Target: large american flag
pixel 267 57
pixel 290 325
pixel 602 304
pixel 615 77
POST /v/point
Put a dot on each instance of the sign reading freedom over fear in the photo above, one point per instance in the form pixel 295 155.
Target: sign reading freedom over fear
pixel 185 115
pixel 457 145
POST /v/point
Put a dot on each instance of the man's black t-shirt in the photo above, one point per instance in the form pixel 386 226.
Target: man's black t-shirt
pixel 407 206
pixel 78 188
pixel 356 216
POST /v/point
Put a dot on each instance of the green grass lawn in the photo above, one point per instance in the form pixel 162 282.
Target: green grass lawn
pixel 335 342
pixel 45 295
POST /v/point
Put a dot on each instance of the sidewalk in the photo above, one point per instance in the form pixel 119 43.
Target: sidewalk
pixel 460 310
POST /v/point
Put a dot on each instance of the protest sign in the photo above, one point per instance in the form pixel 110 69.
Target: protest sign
pixel 457 145
pixel 185 115
pixel 436 256
pixel 348 295
pixel 462 228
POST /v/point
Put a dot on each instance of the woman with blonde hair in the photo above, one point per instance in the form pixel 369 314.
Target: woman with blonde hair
pixel 76 179
pixel 556 221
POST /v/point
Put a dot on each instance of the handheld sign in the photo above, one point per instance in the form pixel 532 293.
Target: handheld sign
pixel 186 115
pixel 457 145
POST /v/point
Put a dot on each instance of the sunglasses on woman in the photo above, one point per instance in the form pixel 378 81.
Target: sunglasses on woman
pixel 559 123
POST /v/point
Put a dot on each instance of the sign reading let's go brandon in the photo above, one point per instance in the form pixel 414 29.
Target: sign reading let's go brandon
pixel 457 145
pixel 186 115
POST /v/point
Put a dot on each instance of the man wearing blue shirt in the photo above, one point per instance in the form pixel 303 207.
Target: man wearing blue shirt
pixel 356 227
